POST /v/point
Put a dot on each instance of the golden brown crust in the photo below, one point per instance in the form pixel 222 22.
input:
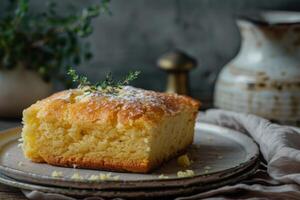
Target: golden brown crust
pixel 151 106
pixel 111 165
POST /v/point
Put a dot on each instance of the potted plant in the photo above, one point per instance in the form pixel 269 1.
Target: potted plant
pixel 35 50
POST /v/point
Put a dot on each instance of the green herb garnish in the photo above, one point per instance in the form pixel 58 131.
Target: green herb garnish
pixel 109 85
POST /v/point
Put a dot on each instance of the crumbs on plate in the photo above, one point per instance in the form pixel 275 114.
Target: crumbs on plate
pixel 94 177
pixel 186 173
pixel 184 161
pixel 163 176
pixel 103 177
pixel 108 176
pixel 206 169
pixel 56 174
pixel 76 176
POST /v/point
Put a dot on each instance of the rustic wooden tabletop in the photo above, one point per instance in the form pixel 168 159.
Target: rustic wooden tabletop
pixel 6 192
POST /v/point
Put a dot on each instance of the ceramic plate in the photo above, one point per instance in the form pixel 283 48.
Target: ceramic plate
pixel 217 153
pixel 161 193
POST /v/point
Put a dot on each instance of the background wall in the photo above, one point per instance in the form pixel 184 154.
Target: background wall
pixel 139 31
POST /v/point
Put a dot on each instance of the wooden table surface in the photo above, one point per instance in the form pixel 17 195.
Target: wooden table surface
pixel 7 192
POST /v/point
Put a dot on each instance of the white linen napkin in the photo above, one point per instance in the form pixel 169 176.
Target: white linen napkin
pixel 279 146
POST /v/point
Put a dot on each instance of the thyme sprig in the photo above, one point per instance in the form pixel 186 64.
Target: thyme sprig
pixel 108 85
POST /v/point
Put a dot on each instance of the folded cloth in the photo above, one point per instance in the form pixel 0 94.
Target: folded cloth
pixel 278 178
pixel 279 146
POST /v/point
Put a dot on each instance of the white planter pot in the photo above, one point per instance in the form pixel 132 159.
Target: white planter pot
pixel 264 78
pixel 19 88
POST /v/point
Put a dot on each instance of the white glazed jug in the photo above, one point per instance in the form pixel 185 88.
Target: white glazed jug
pixel 19 88
pixel 264 77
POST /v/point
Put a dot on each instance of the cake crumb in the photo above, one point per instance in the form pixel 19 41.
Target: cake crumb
pixel 74 166
pixel 184 161
pixel 108 176
pixel 94 177
pixel 20 163
pixel 76 176
pixel 103 177
pixel 186 173
pixel 116 177
pixel 207 167
pixel 20 145
pixel 163 176
pixel 56 174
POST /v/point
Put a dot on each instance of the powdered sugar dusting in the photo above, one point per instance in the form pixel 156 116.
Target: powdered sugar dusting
pixel 130 98
pixel 132 94
pixel 129 94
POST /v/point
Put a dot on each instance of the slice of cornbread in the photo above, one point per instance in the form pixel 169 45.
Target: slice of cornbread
pixel 134 130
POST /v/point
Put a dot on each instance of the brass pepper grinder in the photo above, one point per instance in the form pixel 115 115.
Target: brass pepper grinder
pixel 177 64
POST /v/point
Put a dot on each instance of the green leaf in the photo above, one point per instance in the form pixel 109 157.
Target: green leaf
pixel 22 8
pixel 109 85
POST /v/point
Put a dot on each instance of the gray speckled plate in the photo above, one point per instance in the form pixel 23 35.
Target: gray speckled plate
pixel 218 153
pixel 140 193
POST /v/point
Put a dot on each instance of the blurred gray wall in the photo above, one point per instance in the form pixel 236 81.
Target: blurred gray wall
pixel 139 31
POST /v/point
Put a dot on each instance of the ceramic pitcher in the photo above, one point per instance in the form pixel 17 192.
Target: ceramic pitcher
pixel 264 77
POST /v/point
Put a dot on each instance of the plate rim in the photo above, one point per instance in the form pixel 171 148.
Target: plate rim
pixel 180 190
pixel 111 184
